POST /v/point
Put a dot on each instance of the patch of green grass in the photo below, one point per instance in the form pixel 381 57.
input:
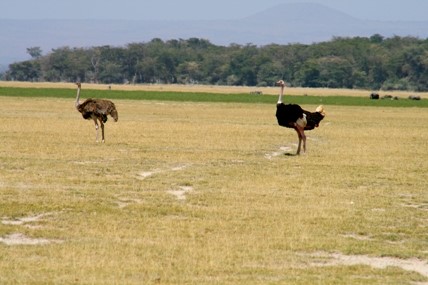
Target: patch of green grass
pixel 209 97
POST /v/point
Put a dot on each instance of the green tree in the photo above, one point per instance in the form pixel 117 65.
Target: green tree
pixel 360 62
pixel 24 71
pixel 309 74
pixel 334 72
pixel 34 52
pixel 111 72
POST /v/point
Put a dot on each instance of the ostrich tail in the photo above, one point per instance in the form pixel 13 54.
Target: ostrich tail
pixel 320 109
pixel 314 118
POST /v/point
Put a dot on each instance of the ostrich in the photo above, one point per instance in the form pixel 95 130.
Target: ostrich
pixel 294 117
pixel 97 110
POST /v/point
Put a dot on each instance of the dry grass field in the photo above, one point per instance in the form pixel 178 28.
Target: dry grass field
pixel 208 193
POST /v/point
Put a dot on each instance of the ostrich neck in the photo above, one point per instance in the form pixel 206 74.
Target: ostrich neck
pixel 281 93
pixel 77 98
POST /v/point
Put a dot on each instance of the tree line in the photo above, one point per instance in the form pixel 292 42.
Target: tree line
pixel 396 63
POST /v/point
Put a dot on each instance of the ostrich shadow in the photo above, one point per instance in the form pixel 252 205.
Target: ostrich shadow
pixel 288 151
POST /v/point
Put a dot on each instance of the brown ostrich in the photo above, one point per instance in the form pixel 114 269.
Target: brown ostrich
pixel 97 110
pixel 294 117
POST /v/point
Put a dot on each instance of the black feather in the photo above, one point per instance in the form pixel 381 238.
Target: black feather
pixel 287 114
pixel 313 119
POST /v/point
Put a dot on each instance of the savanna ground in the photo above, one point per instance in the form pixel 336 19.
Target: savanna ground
pixel 209 193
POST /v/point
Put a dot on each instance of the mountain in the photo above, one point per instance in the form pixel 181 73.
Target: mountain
pixel 282 24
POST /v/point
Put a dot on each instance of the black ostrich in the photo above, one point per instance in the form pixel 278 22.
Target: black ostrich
pixel 294 117
pixel 97 110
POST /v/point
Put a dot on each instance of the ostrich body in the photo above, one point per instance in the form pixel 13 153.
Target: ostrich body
pixel 294 117
pixel 97 110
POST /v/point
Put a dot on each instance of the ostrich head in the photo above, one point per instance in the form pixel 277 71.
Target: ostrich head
pixel 280 83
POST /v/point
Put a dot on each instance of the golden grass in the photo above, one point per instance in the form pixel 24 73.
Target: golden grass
pixel 215 89
pixel 250 214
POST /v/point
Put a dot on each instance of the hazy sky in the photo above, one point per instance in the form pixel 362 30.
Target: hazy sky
pixel 199 9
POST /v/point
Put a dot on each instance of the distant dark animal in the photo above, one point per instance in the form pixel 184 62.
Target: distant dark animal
pixel 374 96
pixel 294 117
pixel 390 97
pixel 97 110
pixel 414 97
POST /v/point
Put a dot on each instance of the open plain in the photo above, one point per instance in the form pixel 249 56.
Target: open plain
pixel 211 193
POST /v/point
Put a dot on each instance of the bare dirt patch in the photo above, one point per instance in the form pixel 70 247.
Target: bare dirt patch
pixel 24 220
pixel 338 259
pixel 357 237
pixel 180 193
pixel 282 150
pixel 124 202
pixel 21 239
pixel 145 174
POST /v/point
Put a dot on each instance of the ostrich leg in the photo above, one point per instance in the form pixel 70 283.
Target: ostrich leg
pixel 300 143
pixel 302 137
pixel 102 131
pixel 96 130
pixel 304 142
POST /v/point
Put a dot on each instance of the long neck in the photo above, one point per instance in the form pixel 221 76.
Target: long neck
pixel 281 93
pixel 77 97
